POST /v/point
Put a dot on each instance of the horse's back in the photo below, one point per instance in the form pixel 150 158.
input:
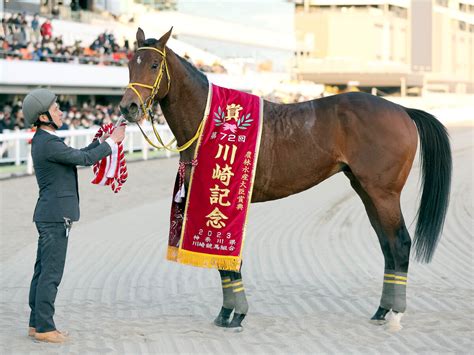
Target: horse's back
pixel 305 143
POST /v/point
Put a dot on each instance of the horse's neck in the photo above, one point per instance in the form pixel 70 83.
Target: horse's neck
pixel 184 105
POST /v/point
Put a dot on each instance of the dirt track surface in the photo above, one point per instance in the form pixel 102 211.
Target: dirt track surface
pixel 313 273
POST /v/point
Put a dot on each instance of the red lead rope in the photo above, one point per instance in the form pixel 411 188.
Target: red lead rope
pixel 182 170
pixel 111 170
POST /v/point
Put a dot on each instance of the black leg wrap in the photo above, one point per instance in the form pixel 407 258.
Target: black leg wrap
pixel 222 319
pixel 380 314
pixel 236 321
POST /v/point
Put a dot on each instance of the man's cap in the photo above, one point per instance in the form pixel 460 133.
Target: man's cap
pixel 35 103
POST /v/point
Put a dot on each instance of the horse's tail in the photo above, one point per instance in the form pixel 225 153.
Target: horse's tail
pixel 436 167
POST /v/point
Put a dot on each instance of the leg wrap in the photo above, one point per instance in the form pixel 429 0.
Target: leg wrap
pixel 241 305
pixel 394 291
pixel 223 319
pixel 228 295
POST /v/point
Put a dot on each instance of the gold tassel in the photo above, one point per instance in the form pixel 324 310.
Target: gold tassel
pixel 172 254
pixel 221 262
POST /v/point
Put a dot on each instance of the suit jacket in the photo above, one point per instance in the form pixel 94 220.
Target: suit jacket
pixel 56 174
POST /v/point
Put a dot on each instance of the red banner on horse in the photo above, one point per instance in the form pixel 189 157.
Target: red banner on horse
pixel 212 228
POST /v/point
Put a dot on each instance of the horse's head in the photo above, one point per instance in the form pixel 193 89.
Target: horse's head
pixel 149 76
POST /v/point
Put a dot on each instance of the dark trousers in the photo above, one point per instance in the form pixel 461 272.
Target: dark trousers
pixel 49 267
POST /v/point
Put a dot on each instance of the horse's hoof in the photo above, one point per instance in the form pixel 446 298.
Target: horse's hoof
pixel 394 324
pixel 223 319
pixel 379 316
pixel 378 321
pixel 237 321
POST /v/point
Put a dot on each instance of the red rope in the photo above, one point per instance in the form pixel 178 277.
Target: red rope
pixel 182 170
pixel 121 172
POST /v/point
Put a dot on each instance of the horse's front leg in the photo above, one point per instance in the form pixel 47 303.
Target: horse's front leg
pixel 234 299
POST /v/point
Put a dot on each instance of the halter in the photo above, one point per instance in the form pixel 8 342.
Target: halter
pixel 147 104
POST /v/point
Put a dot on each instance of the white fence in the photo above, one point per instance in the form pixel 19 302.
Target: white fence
pixel 15 146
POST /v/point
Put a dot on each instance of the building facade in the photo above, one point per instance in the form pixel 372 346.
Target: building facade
pixel 389 44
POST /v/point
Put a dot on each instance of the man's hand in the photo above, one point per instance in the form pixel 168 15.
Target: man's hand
pixel 104 137
pixel 118 134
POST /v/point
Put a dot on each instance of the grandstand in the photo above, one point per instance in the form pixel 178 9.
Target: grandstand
pixel 82 55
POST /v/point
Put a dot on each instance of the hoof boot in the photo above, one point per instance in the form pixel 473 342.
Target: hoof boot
pixel 379 316
pixel 236 321
pixel 223 319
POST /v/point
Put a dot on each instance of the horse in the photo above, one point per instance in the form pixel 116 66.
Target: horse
pixel 372 141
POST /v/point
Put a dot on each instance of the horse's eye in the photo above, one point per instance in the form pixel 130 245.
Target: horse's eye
pixel 154 66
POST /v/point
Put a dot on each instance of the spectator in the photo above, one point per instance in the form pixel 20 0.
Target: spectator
pixel 3 124
pixel 35 29
pixel 4 28
pixel 75 5
pixel 46 30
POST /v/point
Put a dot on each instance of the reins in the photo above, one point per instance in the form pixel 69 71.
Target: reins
pixel 147 104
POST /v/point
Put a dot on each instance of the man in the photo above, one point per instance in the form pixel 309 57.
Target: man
pixel 57 206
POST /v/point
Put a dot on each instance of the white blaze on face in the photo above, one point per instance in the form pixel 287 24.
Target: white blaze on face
pixel 139 60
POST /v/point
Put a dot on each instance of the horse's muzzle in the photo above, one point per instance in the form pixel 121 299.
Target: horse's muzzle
pixel 130 113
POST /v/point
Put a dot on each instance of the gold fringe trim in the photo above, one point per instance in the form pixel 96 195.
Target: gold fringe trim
pixel 221 262
pixel 172 254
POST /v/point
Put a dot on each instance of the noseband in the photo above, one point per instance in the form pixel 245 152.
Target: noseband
pixel 146 105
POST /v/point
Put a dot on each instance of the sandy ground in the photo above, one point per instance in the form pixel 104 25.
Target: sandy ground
pixel 312 270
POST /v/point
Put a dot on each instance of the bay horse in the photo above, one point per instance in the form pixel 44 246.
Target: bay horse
pixel 371 140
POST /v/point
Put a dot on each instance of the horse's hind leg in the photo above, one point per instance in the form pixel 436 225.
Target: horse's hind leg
pixel 223 319
pixel 234 299
pixel 383 209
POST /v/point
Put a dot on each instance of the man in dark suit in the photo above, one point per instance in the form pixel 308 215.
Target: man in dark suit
pixel 57 206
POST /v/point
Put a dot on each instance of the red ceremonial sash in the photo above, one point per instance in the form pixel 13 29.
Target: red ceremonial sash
pixel 208 228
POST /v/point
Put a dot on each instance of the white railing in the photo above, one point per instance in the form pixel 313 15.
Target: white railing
pixel 15 146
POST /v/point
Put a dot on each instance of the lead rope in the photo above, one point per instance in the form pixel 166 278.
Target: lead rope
pixel 182 173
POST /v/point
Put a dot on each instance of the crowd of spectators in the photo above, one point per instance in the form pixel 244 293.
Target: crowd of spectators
pixel 75 117
pixel 35 40
pixel 24 40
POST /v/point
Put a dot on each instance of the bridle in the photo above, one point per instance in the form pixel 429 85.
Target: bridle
pixel 146 105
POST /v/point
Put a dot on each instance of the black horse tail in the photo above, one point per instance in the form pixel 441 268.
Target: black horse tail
pixel 436 167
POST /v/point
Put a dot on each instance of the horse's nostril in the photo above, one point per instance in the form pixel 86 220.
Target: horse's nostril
pixel 133 108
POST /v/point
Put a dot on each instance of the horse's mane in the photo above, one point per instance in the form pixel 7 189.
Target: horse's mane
pixel 191 67
pixel 150 42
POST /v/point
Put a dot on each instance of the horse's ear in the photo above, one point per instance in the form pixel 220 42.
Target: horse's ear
pixel 140 37
pixel 164 39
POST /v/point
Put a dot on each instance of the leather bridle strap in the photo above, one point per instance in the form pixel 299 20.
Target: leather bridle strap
pixel 146 105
